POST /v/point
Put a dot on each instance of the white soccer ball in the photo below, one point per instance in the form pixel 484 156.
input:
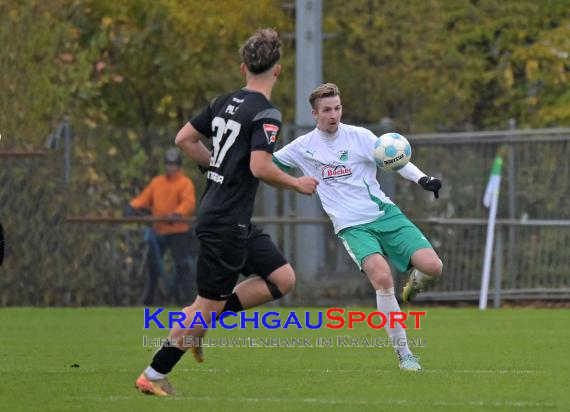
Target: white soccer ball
pixel 392 151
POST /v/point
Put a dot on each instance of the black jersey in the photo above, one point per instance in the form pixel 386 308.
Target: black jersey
pixel 237 123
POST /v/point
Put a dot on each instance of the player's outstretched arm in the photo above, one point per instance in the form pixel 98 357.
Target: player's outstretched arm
pixel 413 173
pixel 263 168
pixel 189 141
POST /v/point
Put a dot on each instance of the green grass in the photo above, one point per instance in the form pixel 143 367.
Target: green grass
pixel 511 359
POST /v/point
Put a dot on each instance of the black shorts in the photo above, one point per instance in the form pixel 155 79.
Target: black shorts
pixel 226 253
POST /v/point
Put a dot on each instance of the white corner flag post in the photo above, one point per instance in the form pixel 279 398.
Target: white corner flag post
pixel 490 200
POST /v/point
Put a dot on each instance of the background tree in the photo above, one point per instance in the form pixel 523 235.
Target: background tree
pixel 451 65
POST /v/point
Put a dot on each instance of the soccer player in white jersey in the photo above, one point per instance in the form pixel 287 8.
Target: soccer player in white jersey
pixel 370 225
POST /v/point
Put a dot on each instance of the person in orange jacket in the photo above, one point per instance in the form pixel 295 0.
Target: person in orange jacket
pixel 169 195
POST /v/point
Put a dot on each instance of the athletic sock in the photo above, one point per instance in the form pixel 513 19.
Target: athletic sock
pixel 165 358
pixel 153 375
pixel 386 303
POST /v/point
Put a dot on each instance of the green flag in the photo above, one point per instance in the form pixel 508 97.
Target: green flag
pixel 494 182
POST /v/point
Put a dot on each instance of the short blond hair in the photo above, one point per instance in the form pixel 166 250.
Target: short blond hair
pixel 324 90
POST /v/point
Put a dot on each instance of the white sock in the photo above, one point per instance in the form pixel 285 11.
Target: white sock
pixel 153 375
pixel 386 303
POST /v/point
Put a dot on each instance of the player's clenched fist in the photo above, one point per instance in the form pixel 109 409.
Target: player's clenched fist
pixel 307 185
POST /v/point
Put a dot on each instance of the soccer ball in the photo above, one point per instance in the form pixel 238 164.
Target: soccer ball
pixel 392 151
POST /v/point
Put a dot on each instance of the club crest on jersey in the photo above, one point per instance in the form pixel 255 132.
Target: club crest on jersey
pixel 271 131
pixel 330 171
pixel 343 155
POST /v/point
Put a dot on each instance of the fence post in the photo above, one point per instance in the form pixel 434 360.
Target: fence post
pixel 498 267
pixel 512 173
pixel 309 242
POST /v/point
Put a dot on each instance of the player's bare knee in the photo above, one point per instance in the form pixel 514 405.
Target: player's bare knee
pixel 380 277
pixel 440 267
pixel 378 271
pixel 433 267
pixel 284 278
pixel 285 282
pixel 381 280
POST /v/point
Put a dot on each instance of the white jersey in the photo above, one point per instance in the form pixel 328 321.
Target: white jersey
pixel 344 165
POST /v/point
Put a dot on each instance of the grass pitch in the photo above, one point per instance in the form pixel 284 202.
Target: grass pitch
pixel 88 359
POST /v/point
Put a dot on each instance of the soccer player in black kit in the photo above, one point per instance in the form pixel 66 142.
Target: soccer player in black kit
pixel 243 127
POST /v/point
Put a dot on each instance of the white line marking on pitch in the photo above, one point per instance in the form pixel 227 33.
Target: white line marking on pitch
pixel 327 370
pixel 500 404
pixel 493 371
pixel 500 371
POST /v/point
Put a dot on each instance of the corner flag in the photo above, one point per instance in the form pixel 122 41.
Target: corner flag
pixel 490 200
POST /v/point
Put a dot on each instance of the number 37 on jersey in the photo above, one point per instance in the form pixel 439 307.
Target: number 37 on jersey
pixel 220 147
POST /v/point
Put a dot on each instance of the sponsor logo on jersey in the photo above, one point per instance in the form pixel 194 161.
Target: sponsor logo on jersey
pixel 271 131
pixel 218 178
pixel 335 171
pixel 343 155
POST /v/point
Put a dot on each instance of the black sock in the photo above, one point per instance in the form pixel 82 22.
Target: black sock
pixel 233 304
pixel 164 360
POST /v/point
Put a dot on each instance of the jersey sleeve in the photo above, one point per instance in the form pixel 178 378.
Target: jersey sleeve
pixel 265 129
pixel 411 172
pixel 368 139
pixel 203 121
pixel 288 156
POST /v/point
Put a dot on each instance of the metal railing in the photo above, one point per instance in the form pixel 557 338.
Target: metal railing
pixel 55 258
